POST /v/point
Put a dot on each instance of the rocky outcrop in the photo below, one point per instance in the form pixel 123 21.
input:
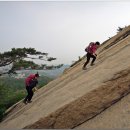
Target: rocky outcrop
pixel 88 106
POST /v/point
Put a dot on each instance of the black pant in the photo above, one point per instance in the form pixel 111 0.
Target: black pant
pixel 89 55
pixel 30 93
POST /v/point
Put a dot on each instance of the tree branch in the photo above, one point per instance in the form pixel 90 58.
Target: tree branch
pixel 16 54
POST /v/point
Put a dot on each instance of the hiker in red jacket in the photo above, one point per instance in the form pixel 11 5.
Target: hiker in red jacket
pixel 91 49
pixel 30 82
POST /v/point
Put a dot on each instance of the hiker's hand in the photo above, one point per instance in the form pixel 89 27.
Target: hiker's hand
pixel 95 54
pixel 36 89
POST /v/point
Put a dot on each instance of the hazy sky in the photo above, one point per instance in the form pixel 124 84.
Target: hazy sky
pixel 62 29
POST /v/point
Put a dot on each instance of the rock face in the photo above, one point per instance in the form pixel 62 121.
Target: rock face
pixel 83 98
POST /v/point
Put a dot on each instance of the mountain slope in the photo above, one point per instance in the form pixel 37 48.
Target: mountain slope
pixel 79 95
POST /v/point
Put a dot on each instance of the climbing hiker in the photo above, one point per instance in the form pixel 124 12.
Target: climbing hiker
pixel 91 49
pixel 30 83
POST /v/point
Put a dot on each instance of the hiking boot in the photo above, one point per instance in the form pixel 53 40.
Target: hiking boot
pixel 84 68
pixel 25 102
pixel 92 64
pixel 29 101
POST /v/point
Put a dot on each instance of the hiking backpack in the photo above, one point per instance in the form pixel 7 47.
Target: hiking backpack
pixel 88 48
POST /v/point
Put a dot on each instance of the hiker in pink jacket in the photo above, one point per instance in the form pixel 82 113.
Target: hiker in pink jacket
pixel 91 53
pixel 30 82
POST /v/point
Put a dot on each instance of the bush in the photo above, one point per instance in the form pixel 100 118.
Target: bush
pixel 8 97
pixel 2 111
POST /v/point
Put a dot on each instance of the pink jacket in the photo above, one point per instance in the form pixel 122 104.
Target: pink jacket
pixel 29 78
pixel 92 49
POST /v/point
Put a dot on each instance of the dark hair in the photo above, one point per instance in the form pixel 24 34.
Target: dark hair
pixel 98 43
pixel 37 75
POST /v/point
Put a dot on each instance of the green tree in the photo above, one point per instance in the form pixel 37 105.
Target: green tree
pixel 25 64
pixel 17 54
pixel 119 29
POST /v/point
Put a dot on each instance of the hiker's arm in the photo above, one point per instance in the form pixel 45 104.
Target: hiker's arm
pixel 35 88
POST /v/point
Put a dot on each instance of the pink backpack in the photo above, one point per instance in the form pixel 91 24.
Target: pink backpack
pixel 88 48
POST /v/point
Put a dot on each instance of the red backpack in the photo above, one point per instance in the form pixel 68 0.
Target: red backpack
pixel 88 48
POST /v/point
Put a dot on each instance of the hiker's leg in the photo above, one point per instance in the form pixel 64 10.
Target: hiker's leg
pixel 88 59
pixel 28 92
pixel 94 58
pixel 30 95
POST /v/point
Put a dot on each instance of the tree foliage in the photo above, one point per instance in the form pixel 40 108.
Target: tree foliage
pixel 119 29
pixel 25 64
pixel 17 54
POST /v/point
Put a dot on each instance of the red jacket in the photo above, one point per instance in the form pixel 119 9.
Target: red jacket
pixel 92 48
pixel 29 79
